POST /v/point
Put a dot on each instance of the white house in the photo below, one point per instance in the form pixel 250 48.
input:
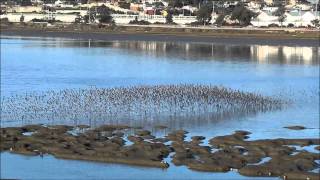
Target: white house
pixel 309 16
pixel 299 18
pixel 15 17
pixel 58 3
pixel 264 19
pixel 303 7
pixel 190 8
pixel 295 18
pixel 125 19
pixel 24 9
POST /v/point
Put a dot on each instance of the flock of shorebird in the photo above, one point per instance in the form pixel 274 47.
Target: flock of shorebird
pixel 137 102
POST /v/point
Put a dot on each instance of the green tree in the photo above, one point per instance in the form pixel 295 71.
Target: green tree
pixel 90 17
pixel 158 4
pixel 83 1
pixel 316 22
pixel 282 18
pixel 49 1
pixel 169 19
pixel 204 14
pixel 124 5
pixel 280 12
pixel 22 18
pixel 242 14
pixel 176 3
pixel 220 20
pixel 26 3
pixel 104 14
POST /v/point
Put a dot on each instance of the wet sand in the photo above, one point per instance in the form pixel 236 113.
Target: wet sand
pixel 238 37
pixel 109 144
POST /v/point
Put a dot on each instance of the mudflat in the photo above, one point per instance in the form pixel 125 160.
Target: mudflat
pixel 113 144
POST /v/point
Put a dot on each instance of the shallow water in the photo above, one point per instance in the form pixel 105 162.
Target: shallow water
pixel 49 167
pixel 37 64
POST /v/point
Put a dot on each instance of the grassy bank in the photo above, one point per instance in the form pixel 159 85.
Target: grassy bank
pixel 190 31
pixel 167 33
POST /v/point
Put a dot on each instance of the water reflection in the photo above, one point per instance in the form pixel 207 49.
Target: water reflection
pixel 285 54
pixel 193 51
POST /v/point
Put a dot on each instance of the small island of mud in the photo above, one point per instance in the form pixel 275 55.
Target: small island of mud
pixel 113 144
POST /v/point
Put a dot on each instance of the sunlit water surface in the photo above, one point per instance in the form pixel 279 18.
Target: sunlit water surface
pixel 33 64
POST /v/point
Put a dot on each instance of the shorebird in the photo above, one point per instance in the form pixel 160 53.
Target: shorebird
pixel 137 102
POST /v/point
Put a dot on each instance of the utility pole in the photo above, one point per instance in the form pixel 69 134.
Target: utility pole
pixel 96 13
pixel 212 9
pixel 317 1
pixel 89 12
pixel 300 16
pixel 212 6
pixel 183 8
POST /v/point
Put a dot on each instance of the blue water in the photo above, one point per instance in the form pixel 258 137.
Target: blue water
pixel 292 73
pixel 48 167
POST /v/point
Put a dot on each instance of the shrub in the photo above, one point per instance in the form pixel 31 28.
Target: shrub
pixel 142 22
pixel 290 25
pixel 273 25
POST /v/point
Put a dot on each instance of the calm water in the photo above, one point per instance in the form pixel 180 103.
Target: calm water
pixel 30 64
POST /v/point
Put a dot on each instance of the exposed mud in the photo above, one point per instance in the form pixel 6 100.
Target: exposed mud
pixel 108 144
pixel 295 127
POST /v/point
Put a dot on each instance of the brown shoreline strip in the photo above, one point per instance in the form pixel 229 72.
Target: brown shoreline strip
pixel 216 38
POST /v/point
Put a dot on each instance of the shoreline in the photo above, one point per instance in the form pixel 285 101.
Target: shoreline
pixel 134 33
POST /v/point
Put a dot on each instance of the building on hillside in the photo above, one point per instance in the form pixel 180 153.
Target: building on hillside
pixel 15 17
pixel 136 6
pixel 230 4
pixel 62 4
pixel 270 9
pixel 149 10
pixel 24 9
pixel 150 1
pixel 125 19
pixel 254 6
pixel 303 7
pixel 268 2
pixel 36 1
pixel 190 8
pixel 292 2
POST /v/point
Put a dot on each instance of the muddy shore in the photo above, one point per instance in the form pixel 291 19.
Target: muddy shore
pixel 113 144
pixel 133 33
